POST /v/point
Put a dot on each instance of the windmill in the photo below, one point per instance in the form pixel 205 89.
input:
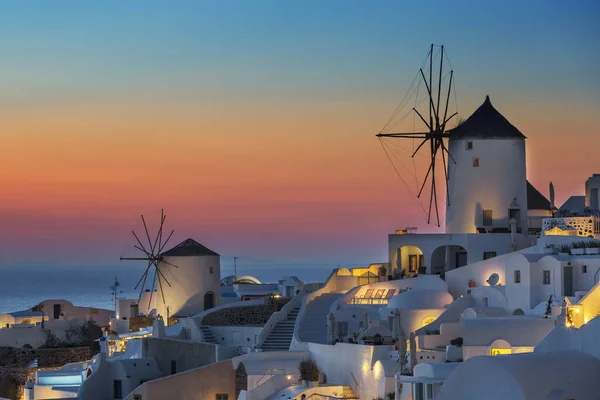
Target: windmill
pixel 151 252
pixel 433 139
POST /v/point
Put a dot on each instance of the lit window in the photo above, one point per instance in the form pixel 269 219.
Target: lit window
pixel 517 276
pixel 546 277
pixel 476 161
pixel 469 145
pixel 495 352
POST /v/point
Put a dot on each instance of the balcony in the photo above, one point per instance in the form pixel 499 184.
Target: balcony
pixel 572 226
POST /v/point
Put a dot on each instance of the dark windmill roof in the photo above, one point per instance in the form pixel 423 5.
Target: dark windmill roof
pixel 536 200
pixel 189 248
pixel 486 123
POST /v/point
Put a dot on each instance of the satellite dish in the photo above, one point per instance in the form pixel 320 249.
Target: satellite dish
pixel 493 279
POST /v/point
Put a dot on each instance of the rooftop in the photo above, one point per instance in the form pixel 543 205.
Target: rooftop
pixel 189 248
pixel 486 123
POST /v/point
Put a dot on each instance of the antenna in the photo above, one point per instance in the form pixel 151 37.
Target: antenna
pixel 235 269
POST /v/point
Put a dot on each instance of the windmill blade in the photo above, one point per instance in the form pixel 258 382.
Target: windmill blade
pixel 152 289
pixel 142 250
pixel 163 276
pixel 168 263
pixel 143 276
pixel 165 243
pixel 448 97
pixel 147 235
pixel 160 286
pixel 423 119
pixel 158 234
pixel 418 148
pixel 425 179
pixel 139 242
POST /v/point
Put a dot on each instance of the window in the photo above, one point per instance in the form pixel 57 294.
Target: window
pixel 429 391
pixel 117 389
pixel 137 397
pixel 546 277
pixel 495 352
pixel 476 161
pixel 584 269
pixel 419 392
pixel 487 218
pixel 211 270
pixel 469 145
pixel 517 276
pixel 221 396
pixel 486 302
pixel 489 254
pixel 173 367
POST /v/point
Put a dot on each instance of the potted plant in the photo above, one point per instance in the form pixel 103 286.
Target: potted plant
pixel 309 372
pixel 564 249
pixel 549 249
pixel 592 247
pixel 578 248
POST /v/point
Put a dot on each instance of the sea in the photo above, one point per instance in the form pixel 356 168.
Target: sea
pixel 23 287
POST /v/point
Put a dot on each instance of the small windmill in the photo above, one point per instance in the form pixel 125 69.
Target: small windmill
pixel 433 139
pixel 151 252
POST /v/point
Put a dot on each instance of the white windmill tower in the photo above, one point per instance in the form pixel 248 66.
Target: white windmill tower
pixel 187 276
pixel 487 182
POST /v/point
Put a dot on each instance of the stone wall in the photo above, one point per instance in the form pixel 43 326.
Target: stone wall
pixel 137 323
pixel 14 363
pixel 240 316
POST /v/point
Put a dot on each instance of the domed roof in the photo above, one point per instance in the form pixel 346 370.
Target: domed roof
pixel 486 123
pixel 559 338
pixel 420 299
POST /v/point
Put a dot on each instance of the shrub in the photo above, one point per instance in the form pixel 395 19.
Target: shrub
pixel 564 248
pixel 308 370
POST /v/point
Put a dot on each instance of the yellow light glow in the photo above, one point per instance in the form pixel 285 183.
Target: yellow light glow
pixel 289 377
pixel 495 352
pixel 577 310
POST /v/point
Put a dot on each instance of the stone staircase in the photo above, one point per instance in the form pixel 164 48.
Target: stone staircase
pixel 208 335
pixel 313 326
pixel 281 336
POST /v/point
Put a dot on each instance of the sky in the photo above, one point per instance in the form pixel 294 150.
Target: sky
pixel 252 123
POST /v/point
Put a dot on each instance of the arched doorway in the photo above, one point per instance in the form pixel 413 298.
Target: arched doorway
pixel 447 258
pixel 410 260
pixel 241 379
pixel 209 300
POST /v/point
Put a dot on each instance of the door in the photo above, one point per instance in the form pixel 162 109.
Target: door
pixel 461 259
pixel 568 281
pixel 237 337
pixel 56 311
pixel 412 262
pixel 208 300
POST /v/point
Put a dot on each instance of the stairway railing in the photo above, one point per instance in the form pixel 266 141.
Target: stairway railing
pixel 277 317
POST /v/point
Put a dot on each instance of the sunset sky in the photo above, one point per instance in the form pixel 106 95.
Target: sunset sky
pixel 252 123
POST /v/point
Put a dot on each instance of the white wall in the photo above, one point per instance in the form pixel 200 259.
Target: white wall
pixel 344 363
pixel 69 311
pixel 490 186
pixel 236 335
pixel 189 283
